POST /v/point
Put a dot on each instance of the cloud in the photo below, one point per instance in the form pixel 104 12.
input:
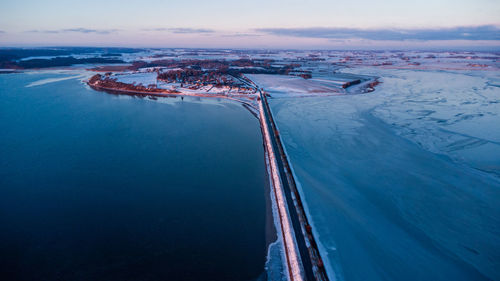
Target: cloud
pixel 242 35
pixel 86 30
pixel 77 30
pixel 184 30
pixel 181 30
pixel 155 29
pixel 485 32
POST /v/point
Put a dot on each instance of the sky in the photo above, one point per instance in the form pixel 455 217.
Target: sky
pixel 252 24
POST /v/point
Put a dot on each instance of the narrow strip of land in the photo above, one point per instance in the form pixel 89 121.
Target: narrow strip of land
pixel 312 265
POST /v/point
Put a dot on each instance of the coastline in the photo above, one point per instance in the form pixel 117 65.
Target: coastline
pixel 243 99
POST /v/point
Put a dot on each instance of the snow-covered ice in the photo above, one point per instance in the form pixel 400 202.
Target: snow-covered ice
pixel 402 183
pixel 53 80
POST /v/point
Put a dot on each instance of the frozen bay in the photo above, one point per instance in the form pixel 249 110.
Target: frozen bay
pixel 401 183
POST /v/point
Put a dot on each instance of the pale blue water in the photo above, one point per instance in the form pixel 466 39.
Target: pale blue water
pixel 382 207
pixel 101 187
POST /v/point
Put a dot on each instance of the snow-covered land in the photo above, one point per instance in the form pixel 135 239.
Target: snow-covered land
pixel 283 85
pixel 144 78
pixel 402 183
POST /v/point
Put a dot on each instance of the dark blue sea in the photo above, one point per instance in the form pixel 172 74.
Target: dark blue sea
pixel 95 186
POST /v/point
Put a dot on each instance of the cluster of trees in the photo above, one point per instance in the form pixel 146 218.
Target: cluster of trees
pixel 220 66
pixel 64 61
pixel 54 62
pixel 170 63
pixel 12 57
pixel 194 78
pixel 181 75
pixel 217 77
pixel 105 82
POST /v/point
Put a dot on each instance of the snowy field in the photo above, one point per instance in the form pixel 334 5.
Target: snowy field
pixel 144 78
pixel 402 183
pixel 283 85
